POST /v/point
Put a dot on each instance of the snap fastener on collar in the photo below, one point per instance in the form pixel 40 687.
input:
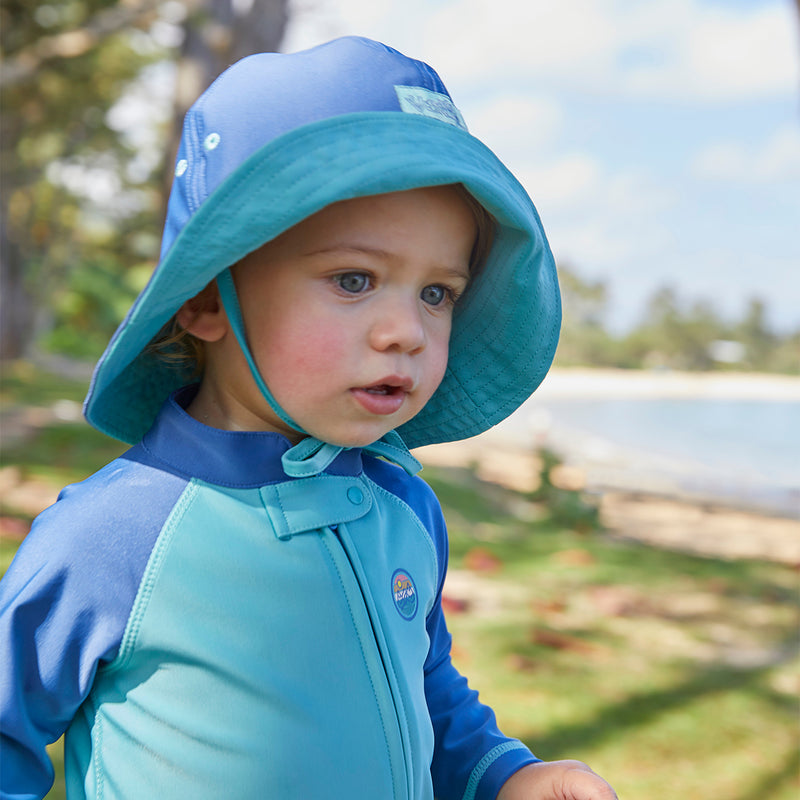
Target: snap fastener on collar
pixel 211 141
pixel 311 504
pixel 355 495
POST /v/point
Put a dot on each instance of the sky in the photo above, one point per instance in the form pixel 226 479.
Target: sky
pixel 659 140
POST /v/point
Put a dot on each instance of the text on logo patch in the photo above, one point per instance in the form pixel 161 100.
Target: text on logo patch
pixel 416 100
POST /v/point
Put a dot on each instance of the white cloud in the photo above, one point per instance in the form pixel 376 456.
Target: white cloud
pixel 713 52
pixel 663 48
pixel 312 22
pixel 523 38
pixel 591 244
pixel 514 122
pixel 602 222
pixel 777 159
pixel 571 180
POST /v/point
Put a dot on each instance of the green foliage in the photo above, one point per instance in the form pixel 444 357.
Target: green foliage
pixel 566 507
pixel 83 190
pixel 670 335
pixel 89 307
pixel 69 198
pixel 64 452
pixel 23 384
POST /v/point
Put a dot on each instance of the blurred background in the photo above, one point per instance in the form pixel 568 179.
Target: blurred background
pixel 634 529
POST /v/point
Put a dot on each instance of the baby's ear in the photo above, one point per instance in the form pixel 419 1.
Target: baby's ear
pixel 203 315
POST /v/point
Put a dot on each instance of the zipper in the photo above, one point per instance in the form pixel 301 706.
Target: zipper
pixel 400 763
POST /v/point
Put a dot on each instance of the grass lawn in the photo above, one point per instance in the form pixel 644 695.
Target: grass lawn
pixel 674 676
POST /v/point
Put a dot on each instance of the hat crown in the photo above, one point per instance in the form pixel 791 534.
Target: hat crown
pixel 265 95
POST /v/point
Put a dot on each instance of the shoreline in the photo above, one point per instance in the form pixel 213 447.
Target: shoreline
pixel 610 463
pixel 600 383
pixel 654 515
pixel 674 501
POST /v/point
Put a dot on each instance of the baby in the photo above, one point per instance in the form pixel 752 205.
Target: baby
pixel 248 602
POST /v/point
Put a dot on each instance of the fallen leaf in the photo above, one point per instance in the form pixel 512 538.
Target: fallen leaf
pixel 480 560
pixel 561 641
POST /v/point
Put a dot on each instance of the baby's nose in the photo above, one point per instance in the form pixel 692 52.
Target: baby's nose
pixel 399 325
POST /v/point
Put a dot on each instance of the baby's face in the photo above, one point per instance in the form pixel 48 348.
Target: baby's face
pixel 348 315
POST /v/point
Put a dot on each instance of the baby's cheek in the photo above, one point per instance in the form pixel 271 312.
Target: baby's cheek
pixel 439 360
pixel 324 348
pixel 315 354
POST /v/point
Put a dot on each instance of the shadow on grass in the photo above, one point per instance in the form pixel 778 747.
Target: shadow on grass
pixel 790 771
pixel 639 709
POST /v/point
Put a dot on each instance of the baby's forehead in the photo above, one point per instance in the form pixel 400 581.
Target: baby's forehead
pixel 427 225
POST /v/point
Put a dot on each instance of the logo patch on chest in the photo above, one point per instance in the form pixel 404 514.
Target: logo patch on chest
pixel 404 593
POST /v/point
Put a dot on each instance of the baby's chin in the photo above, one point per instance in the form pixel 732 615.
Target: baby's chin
pixel 351 442
pixel 351 439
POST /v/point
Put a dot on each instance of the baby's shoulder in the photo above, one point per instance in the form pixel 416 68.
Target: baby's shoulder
pixel 410 489
pixel 395 479
pixel 119 509
pixel 79 569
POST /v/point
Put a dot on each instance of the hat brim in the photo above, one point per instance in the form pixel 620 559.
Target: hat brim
pixel 505 328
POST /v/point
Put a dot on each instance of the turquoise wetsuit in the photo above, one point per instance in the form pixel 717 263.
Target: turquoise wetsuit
pixel 204 626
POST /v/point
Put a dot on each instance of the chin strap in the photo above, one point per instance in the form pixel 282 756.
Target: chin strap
pixel 230 302
pixel 393 448
pixel 310 456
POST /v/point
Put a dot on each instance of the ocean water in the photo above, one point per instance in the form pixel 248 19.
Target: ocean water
pixel 745 452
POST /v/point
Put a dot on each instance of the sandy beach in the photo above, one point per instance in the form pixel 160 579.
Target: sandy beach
pixel 656 518
pixel 611 383
pixel 641 495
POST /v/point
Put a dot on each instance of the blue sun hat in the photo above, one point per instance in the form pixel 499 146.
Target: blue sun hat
pixel 276 138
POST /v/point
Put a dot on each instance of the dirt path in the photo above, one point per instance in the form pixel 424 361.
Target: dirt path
pixel 693 526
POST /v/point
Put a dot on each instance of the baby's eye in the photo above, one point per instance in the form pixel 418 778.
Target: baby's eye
pixel 353 282
pixel 435 295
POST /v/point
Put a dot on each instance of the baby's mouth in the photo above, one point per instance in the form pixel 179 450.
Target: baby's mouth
pixel 382 389
pixel 385 397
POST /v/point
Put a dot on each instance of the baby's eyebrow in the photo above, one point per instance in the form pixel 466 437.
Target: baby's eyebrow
pixel 349 248
pixel 386 255
pixel 456 272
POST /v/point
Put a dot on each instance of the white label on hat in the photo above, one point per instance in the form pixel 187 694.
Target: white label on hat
pixel 416 100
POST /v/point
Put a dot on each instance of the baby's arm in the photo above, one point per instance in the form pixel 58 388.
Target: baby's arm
pixel 63 609
pixel 556 780
pixel 466 732
pixel 64 605
pixel 47 635
pixel 472 757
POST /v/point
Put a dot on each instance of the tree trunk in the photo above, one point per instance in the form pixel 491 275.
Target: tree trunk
pixel 218 32
pixel 16 321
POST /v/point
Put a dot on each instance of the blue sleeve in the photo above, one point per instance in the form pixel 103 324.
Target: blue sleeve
pixel 472 759
pixel 64 605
